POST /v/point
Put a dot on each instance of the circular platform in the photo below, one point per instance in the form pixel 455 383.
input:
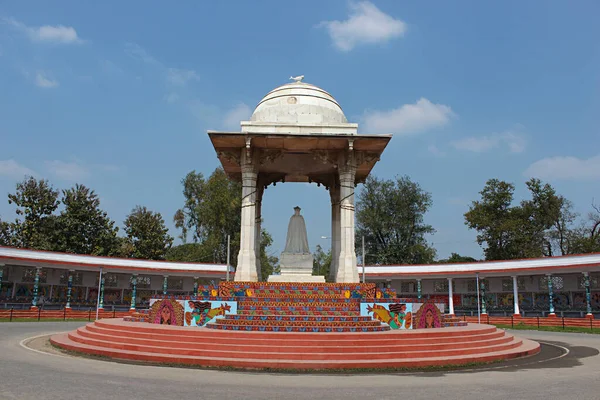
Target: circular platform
pixel 138 341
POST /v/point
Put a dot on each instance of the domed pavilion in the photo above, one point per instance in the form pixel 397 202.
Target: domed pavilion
pixel 298 133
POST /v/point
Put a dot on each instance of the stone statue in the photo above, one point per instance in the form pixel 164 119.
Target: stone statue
pixel 296 262
pixel 297 78
pixel 297 239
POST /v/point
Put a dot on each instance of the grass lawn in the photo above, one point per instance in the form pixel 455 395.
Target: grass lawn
pixel 549 328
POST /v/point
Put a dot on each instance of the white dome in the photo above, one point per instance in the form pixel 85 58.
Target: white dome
pixel 299 103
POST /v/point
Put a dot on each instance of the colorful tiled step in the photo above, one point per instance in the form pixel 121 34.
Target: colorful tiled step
pixel 311 329
pixel 260 322
pixel 286 317
pixel 298 312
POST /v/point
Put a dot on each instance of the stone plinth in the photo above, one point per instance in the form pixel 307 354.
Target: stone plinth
pixel 296 268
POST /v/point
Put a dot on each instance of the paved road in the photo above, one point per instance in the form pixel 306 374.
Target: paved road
pixel 25 374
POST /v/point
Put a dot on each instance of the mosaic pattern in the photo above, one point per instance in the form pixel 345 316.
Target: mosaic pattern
pixel 261 317
pixel 276 328
pixel 199 313
pixel 225 321
pixel 298 312
pixel 396 315
pixel 428 316
pixel 278 289
pixel 166 312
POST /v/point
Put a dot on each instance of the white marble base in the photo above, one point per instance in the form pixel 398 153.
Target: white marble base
pixel 300 278
pixel 296 263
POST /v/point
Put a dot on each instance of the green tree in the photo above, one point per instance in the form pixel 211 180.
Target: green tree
pixel 521 231
pixel 390 215
pixel 211 212
pixel 268 262
pixel 586 237
pixel 6 235
pixel 34 227
pixel 457 258
pixel 321 261
pixel 83 228
pixel 147 234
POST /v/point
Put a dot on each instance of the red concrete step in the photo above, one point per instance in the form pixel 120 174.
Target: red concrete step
pixel 471 330
pixel 526 348
pixel 280 353
pixel 388 338
pixel 308 346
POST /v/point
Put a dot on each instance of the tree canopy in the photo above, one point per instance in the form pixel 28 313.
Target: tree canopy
pixel 147 235
pixel 211 211
pixel 540 226
pixel 390 215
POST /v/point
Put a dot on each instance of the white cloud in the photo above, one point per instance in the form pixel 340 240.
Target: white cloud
pixel 12 169
pixel 181 77
pixel 41 80
pixel 409 118
pixel 232 119
pixel 59 34
pixel 171 97
pixel 68 171
pixel 565 168
pixel 365 25
pixel 514 141
pixel 136 51
pixel 433 149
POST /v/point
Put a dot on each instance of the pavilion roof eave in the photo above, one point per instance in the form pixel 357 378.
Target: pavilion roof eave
pixel 546 265
pixel 47 259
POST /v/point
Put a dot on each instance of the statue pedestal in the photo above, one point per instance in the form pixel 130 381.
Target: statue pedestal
pixel 296 268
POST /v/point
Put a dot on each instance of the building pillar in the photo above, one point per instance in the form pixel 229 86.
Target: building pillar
pixel 517 312
pixel 101 298
pixel 483 299
pixel 36 288
pixel 450 298
pixel 165 284
pixel 133 291
pixel 334 194
pixel 246 267
pixel 550 296
pixel 346 267
pixel 69 288
pixel 195 286
pixel 257 229
pixel 419 291
pixel 1 275
pixel 588 295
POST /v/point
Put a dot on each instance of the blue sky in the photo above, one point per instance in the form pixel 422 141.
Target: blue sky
pixel 119 95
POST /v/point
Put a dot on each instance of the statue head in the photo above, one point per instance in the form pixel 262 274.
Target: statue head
pixel 297 210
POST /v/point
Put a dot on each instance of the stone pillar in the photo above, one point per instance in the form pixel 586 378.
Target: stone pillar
pixel 419 292
pixel 550 296
pixel 257 229
pixel 69 288
pixel 450 298
pixel 334 194
pixel 516 296
pixel 101 299
pixel 588 294
pixel 165 284
pixel 246 266
pixel 195 286
pixel 346 266
pixel 483 300
pixel 133 291
pixel 36 288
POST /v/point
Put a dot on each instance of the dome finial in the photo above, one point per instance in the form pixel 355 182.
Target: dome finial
pixel 297 78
